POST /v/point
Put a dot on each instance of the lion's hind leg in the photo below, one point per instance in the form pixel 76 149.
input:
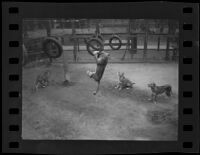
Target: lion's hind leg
pixel 97 89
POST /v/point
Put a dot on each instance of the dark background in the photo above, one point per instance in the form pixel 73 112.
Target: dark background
pixel 159 10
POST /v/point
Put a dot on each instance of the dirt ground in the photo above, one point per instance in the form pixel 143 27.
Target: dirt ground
pixel 73 112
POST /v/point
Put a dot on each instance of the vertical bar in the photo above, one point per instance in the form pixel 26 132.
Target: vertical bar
pixel 48 28
pixel 167 49
pixel 66 67
pixel 75 49
pixel 130 40
pixel 145 39
pixel 78 45
pixel 135 43
pixel 158 49
pixel 75 40
pixel 97 32
pixel 52 24
pixel 145 45
pixel 170 29
pixel 73 27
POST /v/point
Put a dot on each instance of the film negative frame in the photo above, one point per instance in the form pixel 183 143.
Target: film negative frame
pixel 188 129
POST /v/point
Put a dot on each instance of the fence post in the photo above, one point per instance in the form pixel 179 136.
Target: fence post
pixel 97 31
pixel 48 28
pixel 66 67
pixel 75 49
pixel 175 49
pixel 74 40
pixel 171 31
pixel 158 49
pixel 167 48
pixel 133 45
pixel 132 40
pixel 145 45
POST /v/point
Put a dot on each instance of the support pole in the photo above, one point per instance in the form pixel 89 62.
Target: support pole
pixel 48 28
pixel 66 68
pixel 128 42
pixel 75 50
pixel 159 36
pixel 167 49
pixel 97 31
pixel 158 49
pixel 134 44
pixel 133 37
pixel 145 45
pixel 145 40
pixel 170 32
pixel 131 41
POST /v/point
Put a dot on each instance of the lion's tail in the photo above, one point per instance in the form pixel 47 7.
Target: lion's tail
pixel 169 91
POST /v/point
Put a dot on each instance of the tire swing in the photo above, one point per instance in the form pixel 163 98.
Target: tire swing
pixel 115 42
pixel 59 38
pixel 98 36
pixel 52 47
pixel 94 44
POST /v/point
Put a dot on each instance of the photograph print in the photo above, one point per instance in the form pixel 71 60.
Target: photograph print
pixel 100 79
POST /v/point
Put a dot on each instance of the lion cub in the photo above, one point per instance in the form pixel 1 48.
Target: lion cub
pixel 124 83
pixel 157 90
pixel 42 80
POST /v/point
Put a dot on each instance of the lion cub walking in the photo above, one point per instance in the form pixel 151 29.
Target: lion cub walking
pixel 157 90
